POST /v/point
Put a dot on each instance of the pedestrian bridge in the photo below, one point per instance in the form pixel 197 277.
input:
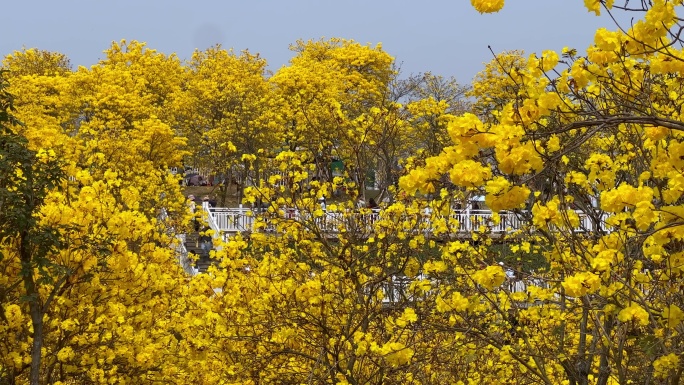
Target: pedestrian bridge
pixel 227 222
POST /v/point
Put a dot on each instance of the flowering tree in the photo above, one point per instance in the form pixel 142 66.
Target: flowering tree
pixel 587 152
pixel 27 178
pixel 88 273
pixel 226 110
pixel 431 103
pixel 337 104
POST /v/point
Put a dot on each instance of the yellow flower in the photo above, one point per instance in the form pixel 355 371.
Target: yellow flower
pixel 13 315
pixel 581 284
pixel 635 313
pixel 593 6
pixel 412 267
pixel 487 6
pixel 434 266
pixel 665 364
pixel 469 173
pixel 501 195
pixel 407 318
pixel 490 277
pixel 396 353
pixel 674 315
pixel 549 60
pixel 65 354
pixel 457 302
pixel 553 144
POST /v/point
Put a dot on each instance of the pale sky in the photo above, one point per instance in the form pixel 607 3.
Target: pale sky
pixel 445 37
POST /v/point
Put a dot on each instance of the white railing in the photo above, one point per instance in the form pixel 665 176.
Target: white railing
pixel 397 289
pixel 182 253
pixel 473 220
pixel 333 222
pixel 234 220
pixel 230 220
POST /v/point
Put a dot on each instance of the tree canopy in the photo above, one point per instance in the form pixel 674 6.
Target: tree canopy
pixel 579 156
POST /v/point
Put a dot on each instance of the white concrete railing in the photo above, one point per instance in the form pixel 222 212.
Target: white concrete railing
pixel 233 220
pixel 183 259
pixel 398 288
pixel 229 220
pixel 469 220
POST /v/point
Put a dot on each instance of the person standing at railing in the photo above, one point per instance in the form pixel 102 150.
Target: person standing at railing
pixel 372 204
pixel 192 208
pixel 208 202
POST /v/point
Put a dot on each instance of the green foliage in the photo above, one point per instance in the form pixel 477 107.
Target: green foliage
pixel 25 179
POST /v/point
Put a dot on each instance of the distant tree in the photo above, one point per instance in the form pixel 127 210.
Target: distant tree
pixel 33 61
pixel 337 104
pixel 496 84
pixel 431 103
pixel 226 110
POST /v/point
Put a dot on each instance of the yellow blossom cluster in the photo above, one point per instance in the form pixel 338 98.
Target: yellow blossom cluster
pixel 487 6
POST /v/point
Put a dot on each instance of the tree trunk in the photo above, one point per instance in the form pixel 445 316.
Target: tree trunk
pixel 35 308
pixel 36 349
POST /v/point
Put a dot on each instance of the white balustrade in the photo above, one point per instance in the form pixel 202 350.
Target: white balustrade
pixel 232 220
pixel 397 289
pixel 235 220
pixel 183 259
